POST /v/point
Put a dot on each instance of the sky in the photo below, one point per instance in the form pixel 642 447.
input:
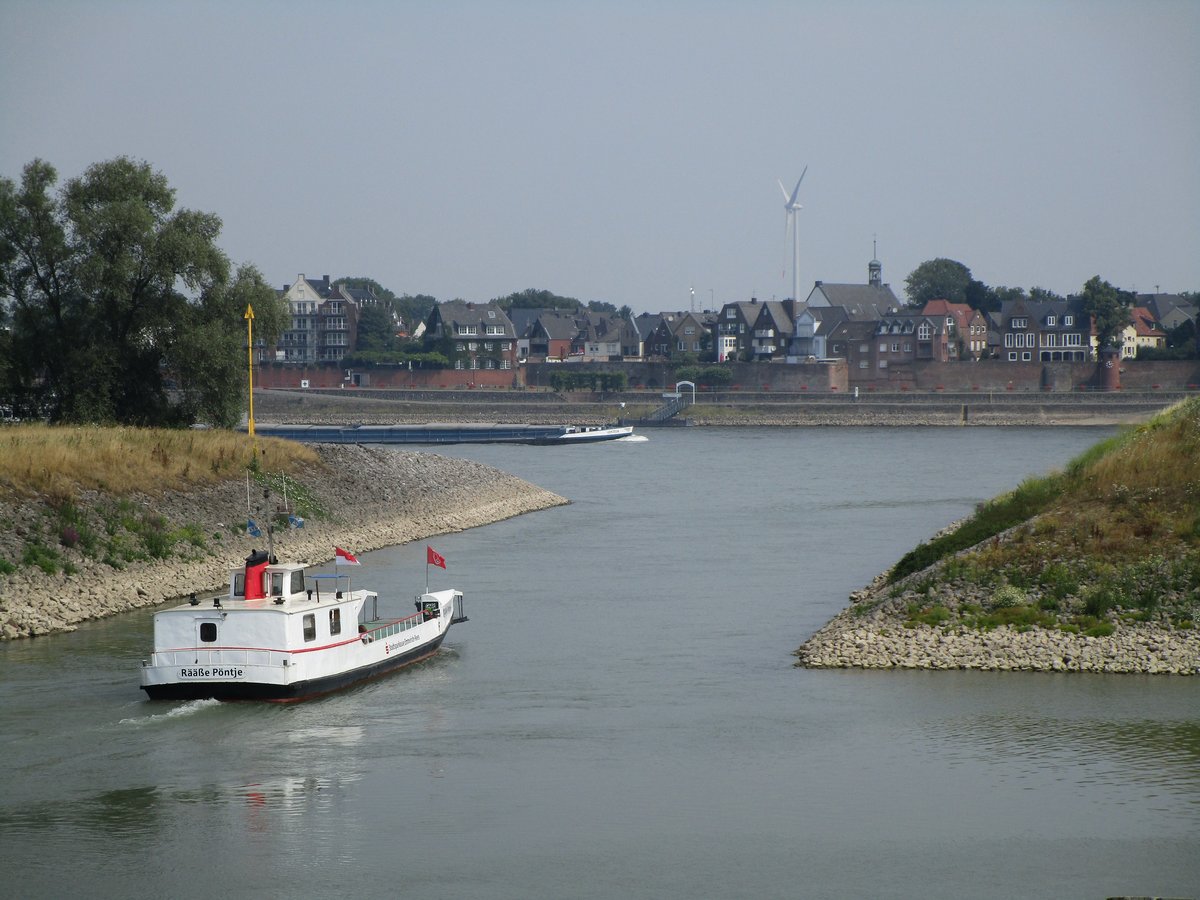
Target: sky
pixel 631 151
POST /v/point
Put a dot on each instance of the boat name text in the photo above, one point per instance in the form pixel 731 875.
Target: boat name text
pixel 214 672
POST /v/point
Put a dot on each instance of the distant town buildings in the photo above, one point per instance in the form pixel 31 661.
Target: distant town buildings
pixel 865 325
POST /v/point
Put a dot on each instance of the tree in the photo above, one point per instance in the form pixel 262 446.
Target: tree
pixel 1041 295
pixel 117 297
pixel 532 298
pixel 208 352
pixel 414 308
pixel 376 330
pixel 1109 309
pixel 938 279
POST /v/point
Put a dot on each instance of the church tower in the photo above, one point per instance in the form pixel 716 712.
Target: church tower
pixel 874 268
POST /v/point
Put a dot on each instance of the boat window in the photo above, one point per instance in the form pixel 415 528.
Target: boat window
pixel 239 584
pixel 310 627
pixel 297 582
pixel 208 632
pixel 276 584
pixel 335 621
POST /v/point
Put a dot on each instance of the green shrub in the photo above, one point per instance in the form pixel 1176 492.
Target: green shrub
pixel 1020 617
pixel 1100 600
pixel 930 615
pixel 191 534
pixel 121 550
pixel 1059 582
pixel 1007 596
pixel 155 538
pixel 45 558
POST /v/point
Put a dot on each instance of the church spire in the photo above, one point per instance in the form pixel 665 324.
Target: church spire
pixel 874 267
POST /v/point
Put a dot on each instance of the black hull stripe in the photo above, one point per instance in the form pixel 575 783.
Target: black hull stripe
pixel 289 693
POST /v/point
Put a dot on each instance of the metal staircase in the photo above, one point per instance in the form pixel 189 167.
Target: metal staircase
pixel 677 402
pixel 670 409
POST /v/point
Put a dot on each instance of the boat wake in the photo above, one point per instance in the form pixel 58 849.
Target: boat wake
pixel 184 709
pixel 631 439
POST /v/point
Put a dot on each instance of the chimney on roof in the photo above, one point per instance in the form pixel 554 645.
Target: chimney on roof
pixel 818 283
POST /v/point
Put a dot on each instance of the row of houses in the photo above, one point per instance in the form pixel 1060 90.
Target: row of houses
pixel 864 324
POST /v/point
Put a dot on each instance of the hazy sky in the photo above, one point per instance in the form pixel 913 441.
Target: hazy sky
pixel 629 151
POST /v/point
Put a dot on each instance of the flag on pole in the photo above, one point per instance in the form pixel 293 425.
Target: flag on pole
pixel 344 558
pixel 433 558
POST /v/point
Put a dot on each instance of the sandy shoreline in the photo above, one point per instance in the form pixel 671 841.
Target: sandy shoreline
pixel 374 498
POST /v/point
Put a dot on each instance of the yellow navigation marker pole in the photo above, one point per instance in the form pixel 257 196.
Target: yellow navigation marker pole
pixel 249 317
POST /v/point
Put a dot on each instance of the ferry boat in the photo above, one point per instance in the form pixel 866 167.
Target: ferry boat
pixel 282 634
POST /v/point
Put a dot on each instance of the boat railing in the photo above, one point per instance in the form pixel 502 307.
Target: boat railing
pixel 380 630
pixel 222 657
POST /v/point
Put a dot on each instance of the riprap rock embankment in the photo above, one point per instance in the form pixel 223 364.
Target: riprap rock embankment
pixel 372 498
pixel 875 633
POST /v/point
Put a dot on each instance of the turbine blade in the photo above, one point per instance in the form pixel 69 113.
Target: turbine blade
pixel 785 193
pixel 796 192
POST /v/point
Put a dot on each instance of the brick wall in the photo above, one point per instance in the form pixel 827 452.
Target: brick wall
pixel 836 378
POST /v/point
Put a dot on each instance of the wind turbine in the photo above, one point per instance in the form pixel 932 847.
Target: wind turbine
pixel 792 206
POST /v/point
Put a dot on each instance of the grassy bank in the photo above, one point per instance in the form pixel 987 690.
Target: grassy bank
pixel 95 522
pixel 1113 537
pixel 70 495
pixel 64 460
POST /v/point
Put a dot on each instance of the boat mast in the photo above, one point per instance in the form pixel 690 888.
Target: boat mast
pixel 249 317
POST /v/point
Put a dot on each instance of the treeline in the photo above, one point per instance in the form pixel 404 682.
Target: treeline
pixel 116 307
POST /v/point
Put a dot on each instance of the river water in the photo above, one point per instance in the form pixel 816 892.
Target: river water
pixel 621 716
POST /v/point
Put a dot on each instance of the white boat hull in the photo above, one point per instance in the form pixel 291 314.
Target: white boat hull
pixel 589 434
pixel 255 668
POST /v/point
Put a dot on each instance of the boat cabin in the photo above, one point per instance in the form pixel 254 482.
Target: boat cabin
pixel 269 604
pixel 264 578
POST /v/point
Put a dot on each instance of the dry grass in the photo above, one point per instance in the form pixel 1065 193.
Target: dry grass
pixel 61 461
pixel 1118 531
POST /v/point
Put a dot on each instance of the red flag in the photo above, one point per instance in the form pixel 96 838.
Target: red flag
pixel 344 558
pixel 433 558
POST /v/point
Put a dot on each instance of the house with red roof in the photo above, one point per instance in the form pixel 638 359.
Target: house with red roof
pixel 1142 331
pixel 967 328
